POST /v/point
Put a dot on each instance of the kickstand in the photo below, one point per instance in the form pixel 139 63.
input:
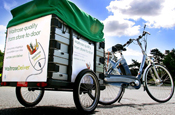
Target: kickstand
pixel 121 95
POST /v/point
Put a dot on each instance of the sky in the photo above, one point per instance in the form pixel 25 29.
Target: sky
pixel 122 19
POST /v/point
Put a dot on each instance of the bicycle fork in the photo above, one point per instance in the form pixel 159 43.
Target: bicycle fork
pixel 153 72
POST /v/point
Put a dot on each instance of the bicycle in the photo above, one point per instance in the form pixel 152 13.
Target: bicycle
pixel 157 80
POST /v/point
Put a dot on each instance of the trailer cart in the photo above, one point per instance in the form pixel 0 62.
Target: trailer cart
pixel 53 45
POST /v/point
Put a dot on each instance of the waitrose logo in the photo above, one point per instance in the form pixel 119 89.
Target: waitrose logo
pixel 10 68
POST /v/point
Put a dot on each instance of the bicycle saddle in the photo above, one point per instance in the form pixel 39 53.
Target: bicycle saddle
pixel 118 47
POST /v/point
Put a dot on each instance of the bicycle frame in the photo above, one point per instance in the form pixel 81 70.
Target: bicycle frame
pixel 122 61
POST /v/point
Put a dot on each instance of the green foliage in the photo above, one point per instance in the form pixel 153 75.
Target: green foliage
pixel 158 56
pixel 1 60
pixel 134 67
pixel 169 62
pixel 135 64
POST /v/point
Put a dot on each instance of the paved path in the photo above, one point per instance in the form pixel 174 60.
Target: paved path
pixel 134 102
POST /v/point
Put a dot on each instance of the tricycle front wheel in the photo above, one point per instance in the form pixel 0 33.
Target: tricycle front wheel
pixel 86 91
pixel 29 97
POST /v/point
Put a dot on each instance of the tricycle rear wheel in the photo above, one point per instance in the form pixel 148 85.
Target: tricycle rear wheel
pixel 86 91
pixel 29 97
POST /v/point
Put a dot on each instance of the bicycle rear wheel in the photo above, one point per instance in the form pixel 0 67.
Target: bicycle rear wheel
pixel 160 90
pixel 112 91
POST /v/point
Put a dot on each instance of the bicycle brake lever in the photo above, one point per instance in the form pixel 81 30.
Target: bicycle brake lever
pixel 145 32
pixel 148 33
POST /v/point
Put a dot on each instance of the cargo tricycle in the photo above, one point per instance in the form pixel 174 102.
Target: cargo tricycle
pixel 53 45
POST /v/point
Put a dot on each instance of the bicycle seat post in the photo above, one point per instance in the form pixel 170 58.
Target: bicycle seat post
pixel 121 54
pixel 112 55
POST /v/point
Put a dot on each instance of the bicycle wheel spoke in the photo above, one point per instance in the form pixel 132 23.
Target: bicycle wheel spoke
pixel 167 82
pixel 163 75
pixel 112 92
pixel 29 95
pixel 151 83
pixel 83 87
pixel 167 78
pixel 89 86
pixel 87 96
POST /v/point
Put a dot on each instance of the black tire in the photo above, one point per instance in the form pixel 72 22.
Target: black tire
pixel 86 91
pixel 29 97
pixel 159 90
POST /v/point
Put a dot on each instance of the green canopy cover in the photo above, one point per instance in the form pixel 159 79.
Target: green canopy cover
pixel 67 11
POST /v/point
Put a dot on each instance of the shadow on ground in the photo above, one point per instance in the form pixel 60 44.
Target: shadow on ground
pixel 41 110
pixel 55 110
pixel 136 106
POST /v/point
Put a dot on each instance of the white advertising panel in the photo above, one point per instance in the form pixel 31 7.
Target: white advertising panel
pixel 83 57
pixel 26 52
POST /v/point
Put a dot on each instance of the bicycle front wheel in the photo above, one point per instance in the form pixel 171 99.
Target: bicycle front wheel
pixel 160 88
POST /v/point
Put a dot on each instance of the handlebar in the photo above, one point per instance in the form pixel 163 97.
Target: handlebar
pixel 119 46
pixel 137 39
pixel 128 42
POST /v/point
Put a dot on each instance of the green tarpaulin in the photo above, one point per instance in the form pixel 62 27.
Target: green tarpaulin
pixel 67 11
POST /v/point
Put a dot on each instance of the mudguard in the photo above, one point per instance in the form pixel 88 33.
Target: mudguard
pixel 144 75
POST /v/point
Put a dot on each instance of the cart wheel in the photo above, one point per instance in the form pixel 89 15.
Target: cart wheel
pixel 86 87
pixel 29 97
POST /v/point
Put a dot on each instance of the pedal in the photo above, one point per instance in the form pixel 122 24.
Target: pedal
pixel 136 83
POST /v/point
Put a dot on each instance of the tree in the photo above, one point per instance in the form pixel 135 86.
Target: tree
pixel 1 60
pixel 169 62
pixel 134 67
pixel 158 56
